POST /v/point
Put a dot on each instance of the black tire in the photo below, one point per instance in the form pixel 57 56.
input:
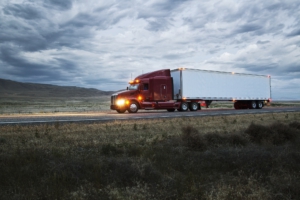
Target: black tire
pixel 171 109
pixel 184 106
pixel 133 107
pixel 252 105
pixel 121 110
pixel 236 105
pixel 260 105
pixel 194 106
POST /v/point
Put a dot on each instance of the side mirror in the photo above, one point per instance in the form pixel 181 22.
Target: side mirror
pixel 127 88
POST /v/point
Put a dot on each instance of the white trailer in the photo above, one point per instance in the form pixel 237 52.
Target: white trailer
pixel 245 90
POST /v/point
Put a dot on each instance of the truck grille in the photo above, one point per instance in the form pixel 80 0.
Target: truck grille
pixel 113 99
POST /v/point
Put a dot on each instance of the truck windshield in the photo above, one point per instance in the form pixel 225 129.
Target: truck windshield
pixel 133 86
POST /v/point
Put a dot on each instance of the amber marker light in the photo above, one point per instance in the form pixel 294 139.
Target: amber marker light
pixel 137 81
pixel 140 98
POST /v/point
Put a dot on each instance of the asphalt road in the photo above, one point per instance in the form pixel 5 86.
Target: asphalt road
pixel 113 115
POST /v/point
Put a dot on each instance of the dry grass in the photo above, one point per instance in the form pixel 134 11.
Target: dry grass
pixel 11 105
pixel 254 156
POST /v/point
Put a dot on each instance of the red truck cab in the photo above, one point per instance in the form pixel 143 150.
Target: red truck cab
pixel 153 90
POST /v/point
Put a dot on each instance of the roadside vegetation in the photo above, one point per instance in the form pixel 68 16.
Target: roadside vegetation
pixel 253 156
pixel 28 105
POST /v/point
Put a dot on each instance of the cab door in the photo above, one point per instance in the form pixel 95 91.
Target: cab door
pixel 163 91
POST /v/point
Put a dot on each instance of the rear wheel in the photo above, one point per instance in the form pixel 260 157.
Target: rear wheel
pixel 184 106
pixel 260 104
pixel 133 107
pixel 253 104
pixel 194 106
pixel 236 105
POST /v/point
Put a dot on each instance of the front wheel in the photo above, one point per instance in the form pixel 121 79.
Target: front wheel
pixel 133 107
pixel 121 110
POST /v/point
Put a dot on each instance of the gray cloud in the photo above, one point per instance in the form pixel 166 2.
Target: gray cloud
pixel 23 11
pixel 58 4
pixel 294 33
pixel 247 28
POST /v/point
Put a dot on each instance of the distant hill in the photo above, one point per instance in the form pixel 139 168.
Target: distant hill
pixel 10 88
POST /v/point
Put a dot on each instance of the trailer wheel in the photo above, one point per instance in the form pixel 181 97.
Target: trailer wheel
pixel 260 104
pixel 253 104
pixel 184 106
pixel 171 110
pixel 121 110
pixel 236 105
pixel 133 107
pixel 193 106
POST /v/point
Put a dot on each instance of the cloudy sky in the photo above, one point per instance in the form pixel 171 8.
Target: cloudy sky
pixel 100 44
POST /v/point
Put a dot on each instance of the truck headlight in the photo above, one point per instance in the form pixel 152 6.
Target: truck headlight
pixel 121 102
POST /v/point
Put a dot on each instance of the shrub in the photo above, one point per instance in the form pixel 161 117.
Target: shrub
pixel 275 134
pixel 109 149
pixel 295 125
pixel 192 139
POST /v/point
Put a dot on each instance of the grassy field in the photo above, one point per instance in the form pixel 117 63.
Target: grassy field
pixel 254 156
pixel 29 105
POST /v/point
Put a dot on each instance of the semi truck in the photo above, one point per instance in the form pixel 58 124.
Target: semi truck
pixel 185 89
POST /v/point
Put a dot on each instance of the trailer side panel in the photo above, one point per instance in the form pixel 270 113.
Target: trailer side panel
pixel 214 85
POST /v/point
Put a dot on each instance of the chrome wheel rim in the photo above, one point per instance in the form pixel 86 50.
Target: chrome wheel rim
pixel 133 107
pixel 195 106
pixel 184 106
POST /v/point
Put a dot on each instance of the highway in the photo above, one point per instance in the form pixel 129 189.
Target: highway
pixel 95 117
